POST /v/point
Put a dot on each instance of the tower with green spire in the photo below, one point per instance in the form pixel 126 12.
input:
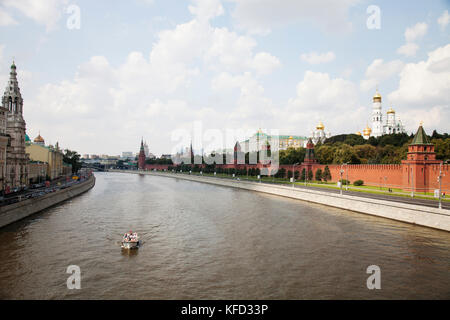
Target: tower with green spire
pixel 420 158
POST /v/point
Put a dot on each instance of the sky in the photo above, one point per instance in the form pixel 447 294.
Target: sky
pixel 97 76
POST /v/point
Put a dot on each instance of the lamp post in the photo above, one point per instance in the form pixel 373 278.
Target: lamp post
pixel 293 174
pixel 440 183
pixel 346 172
pixel 341 172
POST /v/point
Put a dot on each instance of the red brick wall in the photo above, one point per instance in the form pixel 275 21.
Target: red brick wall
pixel 386 175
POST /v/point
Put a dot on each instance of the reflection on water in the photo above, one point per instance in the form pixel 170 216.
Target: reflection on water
pixel 204 241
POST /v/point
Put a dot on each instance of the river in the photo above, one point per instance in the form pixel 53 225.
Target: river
pixel 201 241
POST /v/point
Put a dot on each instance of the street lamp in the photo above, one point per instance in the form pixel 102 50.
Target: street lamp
pixel 293 174
pixel 440 182
pixel 342 172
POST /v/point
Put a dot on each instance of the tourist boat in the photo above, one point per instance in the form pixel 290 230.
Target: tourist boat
pixel 130 240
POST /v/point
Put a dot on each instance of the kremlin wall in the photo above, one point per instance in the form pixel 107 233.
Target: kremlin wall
pixel 418 173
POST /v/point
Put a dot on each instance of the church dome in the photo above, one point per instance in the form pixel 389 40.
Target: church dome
pixel 377 97
pixel 358 133
pixel 39 139
pixel 320 126
pixel 367 131
pixel 27 138
pixel 391 111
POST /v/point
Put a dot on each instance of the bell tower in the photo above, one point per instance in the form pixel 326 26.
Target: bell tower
pixel 17 159
pixel 377 116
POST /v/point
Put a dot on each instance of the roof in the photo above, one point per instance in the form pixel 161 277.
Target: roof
pixel 420 137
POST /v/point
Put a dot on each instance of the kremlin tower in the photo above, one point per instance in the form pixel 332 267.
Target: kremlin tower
pixel 141 159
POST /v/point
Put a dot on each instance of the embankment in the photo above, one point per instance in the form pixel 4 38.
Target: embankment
pixel 17 211
pixel 415 214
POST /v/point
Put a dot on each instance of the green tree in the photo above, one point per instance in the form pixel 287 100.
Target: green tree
pixel 73 158
pixel 326 174
pixel 303 175
pixel 319 175
pixel 310 175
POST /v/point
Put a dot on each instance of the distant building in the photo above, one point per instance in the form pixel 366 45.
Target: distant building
pixel 392 124
pixel 146 150
pixel 260 141
pixel 51 156
pixel 127 155
pixel 166 156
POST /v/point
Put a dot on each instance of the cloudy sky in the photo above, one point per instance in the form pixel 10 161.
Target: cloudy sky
pixel 152 67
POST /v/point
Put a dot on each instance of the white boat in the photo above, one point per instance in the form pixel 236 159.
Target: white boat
pixel 130 240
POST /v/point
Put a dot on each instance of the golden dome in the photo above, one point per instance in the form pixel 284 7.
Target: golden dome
pixel 320 126
pixel 290 138
pixel 39 139
pixel 358 133
pixel 391 111
pixel 367 131
pixel 377 97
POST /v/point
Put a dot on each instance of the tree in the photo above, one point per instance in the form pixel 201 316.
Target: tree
pixel 326 174
pixel 72 158
pixel 303 175
pixel 310 175
pixel 319 175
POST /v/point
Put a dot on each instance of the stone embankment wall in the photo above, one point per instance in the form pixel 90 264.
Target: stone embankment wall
pixel 415 214
pixel 23 209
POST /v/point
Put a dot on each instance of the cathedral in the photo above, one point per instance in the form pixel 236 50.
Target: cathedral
pixel 391 125
pixel 319 135
pixel 16 171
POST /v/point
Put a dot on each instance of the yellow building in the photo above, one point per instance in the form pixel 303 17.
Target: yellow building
pixel 52 156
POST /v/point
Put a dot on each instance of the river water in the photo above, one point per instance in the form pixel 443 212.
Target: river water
pixel 209 242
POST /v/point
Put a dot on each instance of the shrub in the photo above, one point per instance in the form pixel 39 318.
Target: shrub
pixel 358 183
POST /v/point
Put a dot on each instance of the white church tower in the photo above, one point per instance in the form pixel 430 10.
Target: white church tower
pixel 377 116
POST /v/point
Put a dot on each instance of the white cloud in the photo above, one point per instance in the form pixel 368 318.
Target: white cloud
pixel 146 94
pixel 412 34
pixel 379 71
pixel 45 12
pixel 321 97
pixel 416 32
pixel 425 86
pixel 6 19
pixel 317 58
pixel 408 49
pixel 444 19
pixel 206 9
pixel 260 16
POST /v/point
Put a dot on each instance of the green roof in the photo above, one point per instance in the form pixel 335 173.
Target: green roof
pixel 420 137
pixel 27 138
